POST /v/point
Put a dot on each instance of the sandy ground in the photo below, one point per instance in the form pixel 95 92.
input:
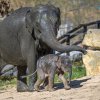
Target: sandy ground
pixel 86 88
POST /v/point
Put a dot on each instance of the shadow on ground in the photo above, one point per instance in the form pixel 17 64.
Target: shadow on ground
pixel 73 84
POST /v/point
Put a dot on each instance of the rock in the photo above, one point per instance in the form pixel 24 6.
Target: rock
pixel 9 70
pixel 92 38
pixel 92 62
pixel 76 56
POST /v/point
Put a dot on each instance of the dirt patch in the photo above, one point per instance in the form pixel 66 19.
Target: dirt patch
pixel 86 88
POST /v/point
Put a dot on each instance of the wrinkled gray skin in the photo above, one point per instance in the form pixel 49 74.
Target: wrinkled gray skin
pixel 47 66
pixel 28 33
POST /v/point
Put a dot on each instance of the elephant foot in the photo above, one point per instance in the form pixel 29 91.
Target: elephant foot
pixel 67 87
pixel 30 89
pixel 21 87
pixel 31 84
pixel 36 88
pixel 46 88
pixel 51 89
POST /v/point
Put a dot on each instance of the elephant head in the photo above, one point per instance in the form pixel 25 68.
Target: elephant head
pixel 63 63
pixel 44 20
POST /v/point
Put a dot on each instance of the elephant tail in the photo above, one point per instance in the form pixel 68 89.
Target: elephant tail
pixel 25 76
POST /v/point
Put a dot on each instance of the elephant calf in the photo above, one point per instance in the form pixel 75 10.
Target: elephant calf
pixel 46 68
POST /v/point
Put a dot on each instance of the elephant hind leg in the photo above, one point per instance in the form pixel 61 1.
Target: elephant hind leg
pixel 38 82
pixel 41 78
pixel 21 82
pixel 46 83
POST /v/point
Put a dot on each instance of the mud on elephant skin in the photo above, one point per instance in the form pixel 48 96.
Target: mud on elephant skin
pixel 50 64
pixel 28 33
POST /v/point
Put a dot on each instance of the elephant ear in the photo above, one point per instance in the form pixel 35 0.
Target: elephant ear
pixel 29 24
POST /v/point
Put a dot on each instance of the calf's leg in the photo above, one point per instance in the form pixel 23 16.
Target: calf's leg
pixel 51 82
pixel 41 78
pixel 46 83
pixel 62 78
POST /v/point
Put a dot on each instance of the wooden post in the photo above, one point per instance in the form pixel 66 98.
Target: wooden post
pixel 85 28
pixel 98 25
pixel 68 40
pixel 68 43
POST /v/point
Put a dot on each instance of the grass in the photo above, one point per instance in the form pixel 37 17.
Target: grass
pixel 77 72
pixel 5 83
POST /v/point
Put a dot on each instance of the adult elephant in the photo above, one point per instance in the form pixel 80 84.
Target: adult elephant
pixel 28 33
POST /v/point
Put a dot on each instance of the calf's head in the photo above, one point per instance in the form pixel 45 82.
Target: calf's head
pixel 63 63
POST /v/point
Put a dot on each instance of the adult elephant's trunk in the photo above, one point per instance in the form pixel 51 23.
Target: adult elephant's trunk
pixel 52 42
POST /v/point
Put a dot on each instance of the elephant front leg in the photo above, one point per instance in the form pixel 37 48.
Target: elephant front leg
pixel 32 79
pixel 21 82
pixel 62 78
pixel 31 69
pixel 69 75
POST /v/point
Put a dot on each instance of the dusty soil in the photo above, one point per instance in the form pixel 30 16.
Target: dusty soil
pixel 86 88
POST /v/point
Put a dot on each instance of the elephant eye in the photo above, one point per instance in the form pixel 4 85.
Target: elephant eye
pixel 53 18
